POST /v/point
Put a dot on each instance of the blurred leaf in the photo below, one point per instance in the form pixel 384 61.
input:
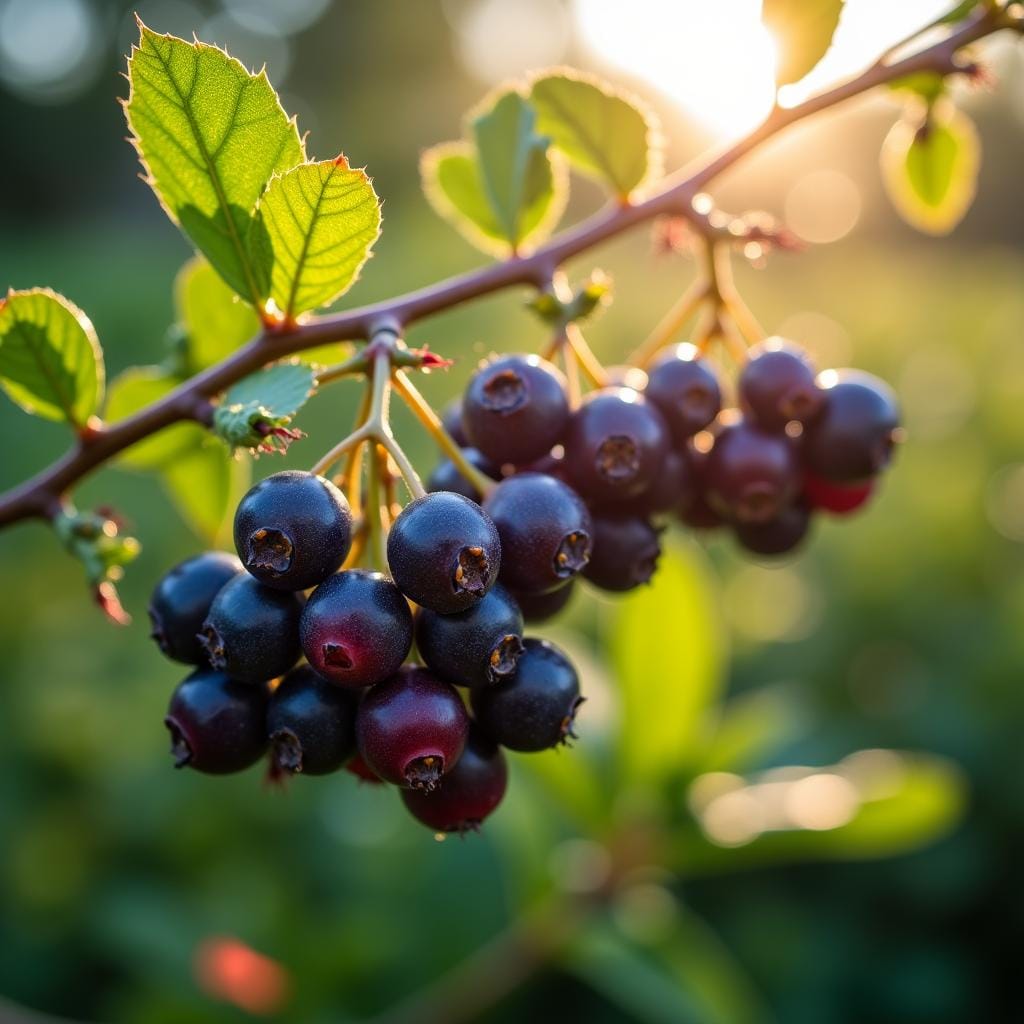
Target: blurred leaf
pixel 258 408
pixel 668 648
pixel 321 220
pixel 803 31
pixel 930 172
pixel 752 726
pixel 205 484
pixel 961 11
pixel 216 322
pixel 51 363
pixel 452 183
pixel 601 132
pixel 929 85
pixel 132 390
pixel 210 136
pixel 683 975
pixel 571 779
pixel 919 800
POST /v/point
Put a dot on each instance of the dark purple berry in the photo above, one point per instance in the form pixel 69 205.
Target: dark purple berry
pixel 685 390
pixel 626 552
pixel 356 628
pixel 541 607
pixel 446 475
pixel 293 529
pixel 853 437
pixel 310 724
pixel 468 793
pixel 615 445
pixel 411 728
pixel 778 536
pixel 544 529
pixel 451 420
pixel 252 631
pixel 361 770
pixel 670 489
pixel 534 709
pixel 181 602
pixel 217 724
pixel 444 552
pixel 515 408
pixel 777 386
pixel 751 475
pixel 476 647
pixel 694 510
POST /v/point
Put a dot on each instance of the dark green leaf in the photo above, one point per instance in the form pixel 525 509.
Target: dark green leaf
pixel 50 359
pixel 605 135
pixel 803 31
pixel 931 172
pixel 261 406
pixel 321 220
pixel 210 135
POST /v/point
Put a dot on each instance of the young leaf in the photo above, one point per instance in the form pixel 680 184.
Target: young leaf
pixel 803 31
pixel 605 135
pixel 210 135
pixel 321 220
pixel 255 412
pixel 51 363
pixel 930 172
pixel 668 648
pixel 515 167
pixel 136 388
pixel 205 485
pixel 215 321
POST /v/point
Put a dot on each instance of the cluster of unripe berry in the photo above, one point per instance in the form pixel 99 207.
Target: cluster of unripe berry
pixel 576 492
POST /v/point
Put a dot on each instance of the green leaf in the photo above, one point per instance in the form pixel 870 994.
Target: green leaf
pixel 133 390
pixel 929 85
pixel 51 363
pixel 931 171
pixel 803 31
pixel 215 321
pixel 452 184
pixel 210 135
pixel 260 406
pixel 605 135
pixel 205 485
pixel 903 802
pixel 960 12
pixel 668 648
pixel 321 220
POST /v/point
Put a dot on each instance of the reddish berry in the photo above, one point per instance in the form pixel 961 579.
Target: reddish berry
pixel 361 770
pixel 838 499
pixel 411 728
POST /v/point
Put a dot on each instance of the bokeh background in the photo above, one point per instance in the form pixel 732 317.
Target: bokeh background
pixel 769 875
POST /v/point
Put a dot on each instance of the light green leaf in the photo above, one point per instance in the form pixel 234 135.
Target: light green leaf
pixel 931 172
pixel 605 135
pixel 51 363
pixel 452 184
pixel 515 167
pixel 929 85
pixel 215 321
pixel 668 648
pixel 901 802
pixel 133 390
pixel 210 135
pixel 259 407
pixel 321 220
pixel 205 485
pixel 803 31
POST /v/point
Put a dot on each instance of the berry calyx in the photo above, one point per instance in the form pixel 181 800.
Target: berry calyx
pixel 411 728
pixel 476 647
pixel 536 707
pixel 356 628
pixel 444 552
pixel 777 386
pixel 293 529
pixel 515 408
pixel 252 631
pixel 468 794
pixel 310 725
pixel 217 724
pixel 181 601
pixel 544 528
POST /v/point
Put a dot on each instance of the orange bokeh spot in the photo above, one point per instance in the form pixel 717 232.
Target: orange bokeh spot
pixel 227 969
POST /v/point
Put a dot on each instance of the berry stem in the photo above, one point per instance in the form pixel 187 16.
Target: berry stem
pixel 588 362
pixel 572 374
pixel 422 410
pixel 668 328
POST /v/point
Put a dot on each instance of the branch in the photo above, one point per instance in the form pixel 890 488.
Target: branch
pixel 38 496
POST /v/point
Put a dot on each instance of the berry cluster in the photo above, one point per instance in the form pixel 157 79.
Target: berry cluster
pixel 245 622
pixel 578 491
pixel 581 491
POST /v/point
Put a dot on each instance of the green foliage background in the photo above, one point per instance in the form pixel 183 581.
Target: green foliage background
pixel 903 631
